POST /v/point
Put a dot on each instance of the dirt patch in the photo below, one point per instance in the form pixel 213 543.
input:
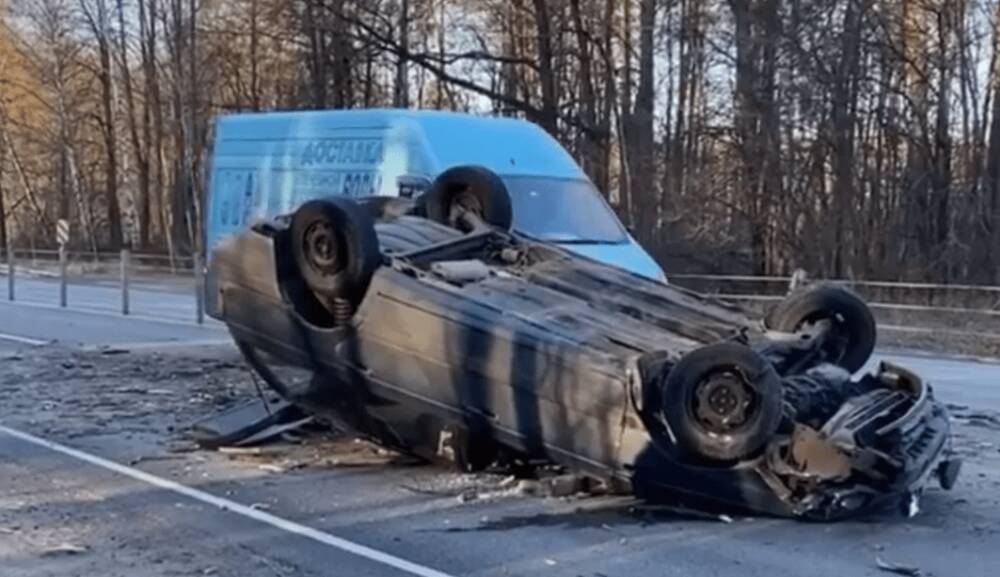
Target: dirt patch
pixel 71 393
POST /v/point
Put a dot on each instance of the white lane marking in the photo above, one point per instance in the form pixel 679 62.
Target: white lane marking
pixel 22 340
pixel 210 324
pixel 232 506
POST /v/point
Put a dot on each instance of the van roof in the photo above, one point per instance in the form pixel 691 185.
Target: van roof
pixel 506 145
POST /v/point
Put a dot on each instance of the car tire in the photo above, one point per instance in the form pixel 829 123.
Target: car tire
pixel 335 248
pixel 721 403
pixel 477 189
pixel 852 318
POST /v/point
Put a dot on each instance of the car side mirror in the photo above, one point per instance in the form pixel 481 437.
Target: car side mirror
pixel 410 186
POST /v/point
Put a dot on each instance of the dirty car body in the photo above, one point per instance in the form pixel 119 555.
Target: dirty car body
pixel 523 347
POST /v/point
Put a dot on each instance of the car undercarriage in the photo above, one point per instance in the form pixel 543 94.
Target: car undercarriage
pixel 430 321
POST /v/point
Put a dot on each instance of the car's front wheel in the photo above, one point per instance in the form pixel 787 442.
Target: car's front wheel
pixel 335 248
pixel 721 403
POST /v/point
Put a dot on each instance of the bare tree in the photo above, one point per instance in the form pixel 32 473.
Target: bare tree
pixel 98 17
pixel 852 138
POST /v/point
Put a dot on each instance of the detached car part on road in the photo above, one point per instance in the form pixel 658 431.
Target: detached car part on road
pixel 429 323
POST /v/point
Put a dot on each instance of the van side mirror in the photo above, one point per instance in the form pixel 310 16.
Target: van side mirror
pixel 412 186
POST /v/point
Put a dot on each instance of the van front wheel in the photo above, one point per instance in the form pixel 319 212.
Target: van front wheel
pixel 335 248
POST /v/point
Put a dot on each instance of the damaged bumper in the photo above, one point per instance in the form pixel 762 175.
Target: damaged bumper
pixel 877 453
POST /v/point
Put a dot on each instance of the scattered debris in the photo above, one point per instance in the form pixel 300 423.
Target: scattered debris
pixel 241 422
pixel 564 485
pixel 7 531
pixel 65 549
pixel 725 519
pixel 551 562
pixel 256 451
pixel 896 568
pixel 271 468
pixel 182 447
pixel 975 418
pixel 114 351
pixel 527 487
pixel 148 458
pixel 273 432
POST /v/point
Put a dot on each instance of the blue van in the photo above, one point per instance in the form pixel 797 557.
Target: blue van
pixel 265 164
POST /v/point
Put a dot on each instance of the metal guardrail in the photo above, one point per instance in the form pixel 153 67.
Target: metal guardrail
pixel 959 310
pixel 124 261
pixel 176 264
pixel 902 307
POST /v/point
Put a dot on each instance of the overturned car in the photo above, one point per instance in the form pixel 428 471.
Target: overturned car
pixel 429 323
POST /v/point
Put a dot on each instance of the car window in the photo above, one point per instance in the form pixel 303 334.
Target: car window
pixel 562 210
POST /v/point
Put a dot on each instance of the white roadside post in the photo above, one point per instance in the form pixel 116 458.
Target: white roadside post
pixel 799 279
pixel 62 237
pixel 126 265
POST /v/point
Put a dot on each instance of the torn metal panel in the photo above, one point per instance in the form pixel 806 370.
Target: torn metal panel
pixel 242 422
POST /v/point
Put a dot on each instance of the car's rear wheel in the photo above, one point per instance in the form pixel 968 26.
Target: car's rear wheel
pixel 847 323
pixel 722 403
pixel 464 195
pixel 335 248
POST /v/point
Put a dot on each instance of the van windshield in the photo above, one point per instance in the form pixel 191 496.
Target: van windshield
pixel 562 211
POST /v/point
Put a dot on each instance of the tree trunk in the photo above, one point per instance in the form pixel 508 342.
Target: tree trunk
pixel 588 150
pixel 343 57
pixel 137 145
pixel 625 135
pixel 757 125
pixel 315 18
pixel 155 118
pixel 546 73
pixel 608 104
pixel 254 48
pixel 992 177
pixel 179 206
pixel 746 125
pixel 152 102
pixel 641 157
pixel 194 134
pixel 844 97
pixel 401 89
pixel 942 173
pixel 109 133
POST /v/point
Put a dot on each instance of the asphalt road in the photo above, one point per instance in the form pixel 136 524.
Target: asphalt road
pixel 65 514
